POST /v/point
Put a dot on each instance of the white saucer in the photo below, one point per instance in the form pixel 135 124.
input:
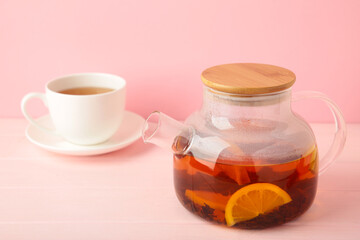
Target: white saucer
pixel 129 132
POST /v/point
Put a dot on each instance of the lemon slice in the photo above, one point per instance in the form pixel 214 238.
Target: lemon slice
pixel 253 200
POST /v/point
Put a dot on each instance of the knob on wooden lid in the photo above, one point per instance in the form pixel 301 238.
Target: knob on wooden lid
pixel 248 78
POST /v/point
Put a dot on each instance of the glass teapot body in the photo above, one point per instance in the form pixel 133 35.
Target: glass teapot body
pixel 241 141
pixel 245 159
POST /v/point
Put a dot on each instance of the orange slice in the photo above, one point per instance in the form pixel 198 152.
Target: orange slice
pixel 253 200
pixel 213 200
pixel 308 166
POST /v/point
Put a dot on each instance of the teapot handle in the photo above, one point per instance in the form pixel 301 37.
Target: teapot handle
pixel 340 126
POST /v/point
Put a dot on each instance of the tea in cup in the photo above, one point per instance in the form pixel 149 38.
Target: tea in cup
pixel 85 108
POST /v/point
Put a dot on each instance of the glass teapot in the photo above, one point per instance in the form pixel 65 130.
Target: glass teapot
pixel 245 159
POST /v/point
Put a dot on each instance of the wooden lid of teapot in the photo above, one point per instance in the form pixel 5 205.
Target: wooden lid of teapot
pixel 248 78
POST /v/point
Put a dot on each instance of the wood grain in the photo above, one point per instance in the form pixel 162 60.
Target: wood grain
pixel 248 78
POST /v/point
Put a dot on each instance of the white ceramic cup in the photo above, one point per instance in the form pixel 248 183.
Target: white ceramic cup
pixel 82 119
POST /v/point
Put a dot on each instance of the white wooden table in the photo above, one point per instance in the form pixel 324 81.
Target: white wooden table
pixel 128 194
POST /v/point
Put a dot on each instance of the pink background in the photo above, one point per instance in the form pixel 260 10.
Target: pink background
pixel 162 46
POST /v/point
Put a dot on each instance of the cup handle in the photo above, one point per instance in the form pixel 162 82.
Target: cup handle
pixel 24 102
pixel 340 127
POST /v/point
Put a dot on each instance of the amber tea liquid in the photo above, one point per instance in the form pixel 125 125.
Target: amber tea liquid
pixel 204 187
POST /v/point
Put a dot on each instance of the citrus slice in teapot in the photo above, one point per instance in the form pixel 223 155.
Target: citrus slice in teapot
pixel 253 200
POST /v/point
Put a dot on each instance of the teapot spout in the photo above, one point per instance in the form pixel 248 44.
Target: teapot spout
pixel 168 133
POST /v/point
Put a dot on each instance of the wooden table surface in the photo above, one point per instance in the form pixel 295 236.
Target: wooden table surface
pixel 128 194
